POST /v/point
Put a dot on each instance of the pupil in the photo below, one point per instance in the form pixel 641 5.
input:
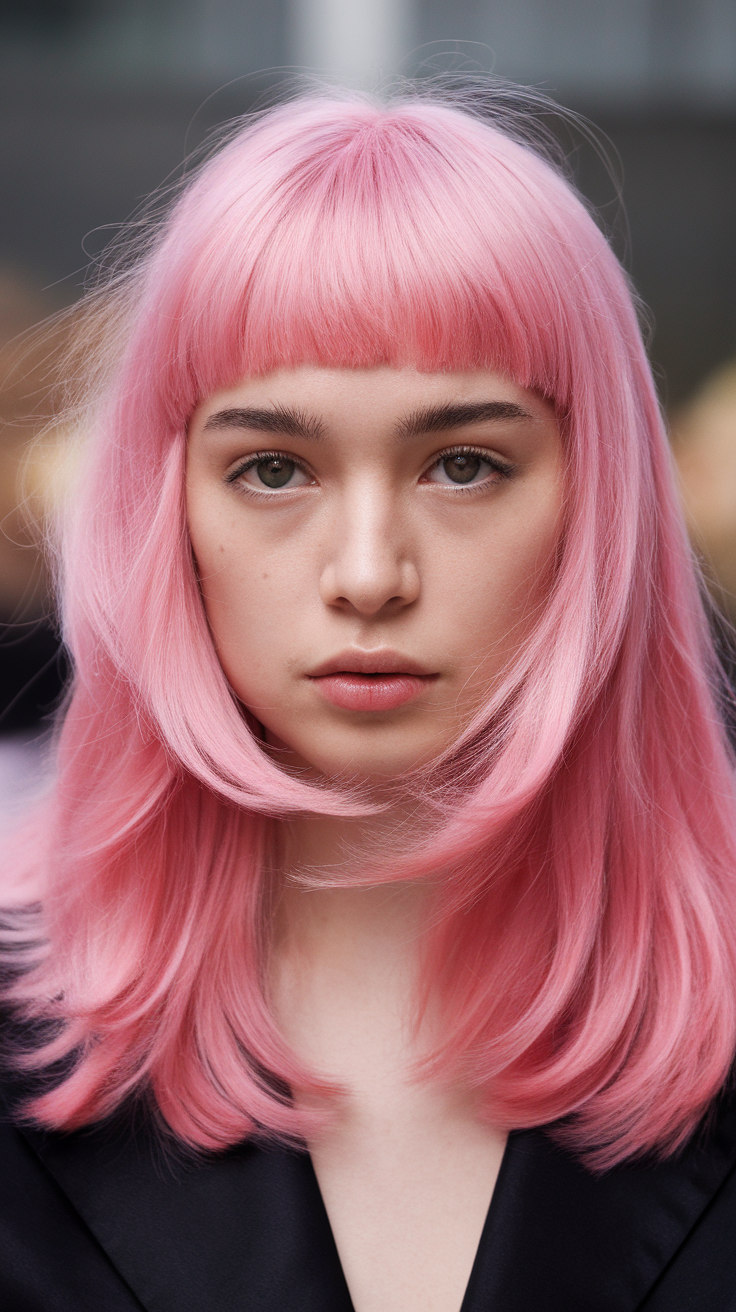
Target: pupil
pixel 275 472
pixel 462 469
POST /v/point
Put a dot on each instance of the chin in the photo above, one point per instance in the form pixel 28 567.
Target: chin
pixel 356 769
pixel 377 755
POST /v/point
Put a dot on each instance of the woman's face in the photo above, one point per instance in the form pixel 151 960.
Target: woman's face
pixel 373 546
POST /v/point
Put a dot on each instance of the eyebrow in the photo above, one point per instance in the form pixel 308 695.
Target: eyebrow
pixel 433 419
pixel 438 418
pixel 280 419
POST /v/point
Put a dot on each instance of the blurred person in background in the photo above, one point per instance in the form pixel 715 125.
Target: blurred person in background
pixel 32 478
pixel 704 440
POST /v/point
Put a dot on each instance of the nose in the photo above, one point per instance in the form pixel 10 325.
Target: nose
pixel 370 566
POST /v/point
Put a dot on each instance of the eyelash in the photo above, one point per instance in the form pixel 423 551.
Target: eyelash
pixel 499 467
pixel 256 459
pixel 502 468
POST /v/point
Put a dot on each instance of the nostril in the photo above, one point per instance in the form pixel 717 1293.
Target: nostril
pixel 369 565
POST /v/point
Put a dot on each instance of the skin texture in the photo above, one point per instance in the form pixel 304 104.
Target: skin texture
pixel 370 548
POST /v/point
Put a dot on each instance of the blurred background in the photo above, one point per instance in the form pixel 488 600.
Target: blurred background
pixel 101 100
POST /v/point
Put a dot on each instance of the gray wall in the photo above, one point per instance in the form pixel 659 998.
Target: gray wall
pixel 605 52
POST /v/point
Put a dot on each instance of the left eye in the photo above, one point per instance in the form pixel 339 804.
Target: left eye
pixel 460 468
pixel 271 473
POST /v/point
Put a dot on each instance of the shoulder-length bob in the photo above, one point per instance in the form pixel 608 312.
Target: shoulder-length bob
pixel 586 867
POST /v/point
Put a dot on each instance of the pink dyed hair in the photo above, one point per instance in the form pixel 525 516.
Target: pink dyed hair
pixel 586 948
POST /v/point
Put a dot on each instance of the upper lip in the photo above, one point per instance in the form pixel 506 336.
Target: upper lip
pixel 356 660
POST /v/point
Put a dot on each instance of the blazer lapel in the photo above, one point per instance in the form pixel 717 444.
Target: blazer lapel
pixel 247 1230
pixel 559 1238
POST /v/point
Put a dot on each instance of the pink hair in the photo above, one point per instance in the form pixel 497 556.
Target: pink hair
pixel 586 948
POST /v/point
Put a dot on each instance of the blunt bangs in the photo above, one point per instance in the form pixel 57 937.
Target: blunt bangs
pixel 384 237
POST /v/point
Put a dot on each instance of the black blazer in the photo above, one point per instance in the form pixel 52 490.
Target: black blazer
pixel 109 1220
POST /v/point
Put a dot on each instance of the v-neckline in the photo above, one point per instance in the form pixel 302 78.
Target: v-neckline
pixel 468 1303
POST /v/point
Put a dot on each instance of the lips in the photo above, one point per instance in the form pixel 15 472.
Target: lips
pixel 381 680
pixel 383 660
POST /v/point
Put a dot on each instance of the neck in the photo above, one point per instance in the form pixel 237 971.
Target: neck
pixel 346 959
pixel 322 913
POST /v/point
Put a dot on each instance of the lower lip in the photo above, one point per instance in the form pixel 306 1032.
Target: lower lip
pixel 371 692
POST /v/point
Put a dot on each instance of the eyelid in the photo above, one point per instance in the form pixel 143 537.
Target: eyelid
pixel 501 466
pixel 248 462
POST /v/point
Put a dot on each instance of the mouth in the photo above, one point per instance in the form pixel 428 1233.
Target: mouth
pixel 381 680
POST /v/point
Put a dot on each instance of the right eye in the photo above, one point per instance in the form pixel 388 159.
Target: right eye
pixel 269 471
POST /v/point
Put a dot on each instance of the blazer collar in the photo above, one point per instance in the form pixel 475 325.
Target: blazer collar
pixel 563 1239
pixel 244 1230
pixel 249 1229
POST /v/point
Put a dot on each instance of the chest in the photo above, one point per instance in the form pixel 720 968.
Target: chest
pixel 407 1165
pixel 407 1188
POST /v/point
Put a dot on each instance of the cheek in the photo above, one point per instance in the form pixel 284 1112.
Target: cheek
pixel 245 595
pixel 251 615
pixel 489 590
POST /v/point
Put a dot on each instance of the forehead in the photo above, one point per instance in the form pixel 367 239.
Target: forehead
pixel 322 395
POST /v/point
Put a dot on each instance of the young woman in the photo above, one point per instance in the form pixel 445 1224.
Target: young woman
pixel 386 947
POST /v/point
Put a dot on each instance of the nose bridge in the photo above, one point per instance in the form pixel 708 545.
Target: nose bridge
pixel 370 560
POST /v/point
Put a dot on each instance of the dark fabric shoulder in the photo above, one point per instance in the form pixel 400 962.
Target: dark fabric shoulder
pixel 111 1218
pixel 48 1256
pixel 114 1218
pixel 646 1236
